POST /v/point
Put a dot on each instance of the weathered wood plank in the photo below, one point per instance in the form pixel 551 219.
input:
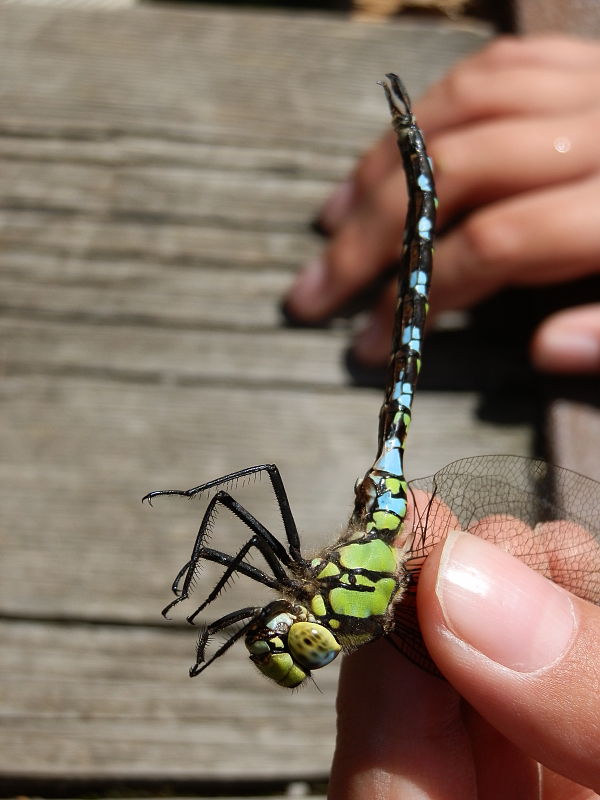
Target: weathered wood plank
pixel 251 76
pixel 69 239
pixel 535 17
pixel 84 451
pixel 228 154
pixel 139 293
pixel 178 355
pixel 183 194
pixel 161 169
pixel 114 701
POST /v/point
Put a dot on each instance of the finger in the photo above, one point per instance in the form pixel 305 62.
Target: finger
pixel 485 87
pixel 400 732
pixel 371 346
pixel 531 239
pixel 503 770
pixel 471 92
pixel 369 241
pixel 466 96
pixel 488 161
pixel 524 652
pixel 557 787
pixel 546 236
pixel 471 169
pixel 374 166
pixel 569 341
pixel 478 87
pixel 462 98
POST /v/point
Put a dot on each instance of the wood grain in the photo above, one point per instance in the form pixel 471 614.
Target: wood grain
pixel 160 168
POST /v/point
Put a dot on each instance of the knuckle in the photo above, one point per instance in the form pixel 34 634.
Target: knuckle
pixel 491 238
pixel 502 51
pixel 459 83
pixel 473 83
pixel 467 89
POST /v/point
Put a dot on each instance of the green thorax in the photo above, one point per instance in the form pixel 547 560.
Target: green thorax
pixel 356 581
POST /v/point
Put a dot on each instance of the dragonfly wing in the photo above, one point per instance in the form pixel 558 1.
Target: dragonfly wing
pixel 406 637
pixel 545 515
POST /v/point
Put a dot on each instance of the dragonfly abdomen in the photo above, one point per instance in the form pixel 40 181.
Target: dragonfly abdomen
pixel 381 497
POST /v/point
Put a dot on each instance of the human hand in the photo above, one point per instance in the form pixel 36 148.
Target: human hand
pixel 513 133
pixel 522 657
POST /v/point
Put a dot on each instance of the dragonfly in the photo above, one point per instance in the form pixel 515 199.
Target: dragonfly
pixel 363 586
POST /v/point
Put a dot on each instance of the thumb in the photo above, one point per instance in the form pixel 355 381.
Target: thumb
pixel 520 649
pixel 569 341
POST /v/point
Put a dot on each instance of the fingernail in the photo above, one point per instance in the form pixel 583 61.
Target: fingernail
pixel 496 604
pixel 578 348
pixel 337 205
pixel 307 292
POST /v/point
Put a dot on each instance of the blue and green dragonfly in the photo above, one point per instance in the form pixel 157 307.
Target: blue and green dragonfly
pixel 362 587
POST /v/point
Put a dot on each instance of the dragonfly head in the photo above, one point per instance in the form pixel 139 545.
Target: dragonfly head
pixel 286 643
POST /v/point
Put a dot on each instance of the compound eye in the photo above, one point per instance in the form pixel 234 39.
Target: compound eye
pixel 312 645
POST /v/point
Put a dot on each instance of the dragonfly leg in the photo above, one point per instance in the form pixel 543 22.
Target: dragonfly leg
pixel 175 586
pixel 272 471
pixel 289 524
pixel 234 565
pixel 250 571
pixel 219 624
pixel 273 552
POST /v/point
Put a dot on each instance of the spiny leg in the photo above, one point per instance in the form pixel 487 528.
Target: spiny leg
pixel 270 548
pixel 250 571
pixel 215 627
pixel 281 579
pixel 272 471
pixel 218 557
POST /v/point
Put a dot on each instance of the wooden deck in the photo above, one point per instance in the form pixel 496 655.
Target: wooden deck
pixel 160 167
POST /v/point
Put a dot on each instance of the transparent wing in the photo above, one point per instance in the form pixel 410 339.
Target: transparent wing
pixel 547 516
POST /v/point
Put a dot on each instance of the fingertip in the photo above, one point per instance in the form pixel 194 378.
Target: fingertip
pixel 525 657
pixel 569 342
pixel 289 318
pixel 371 346
pixel 337 206
pixel 306 301
pixel 495 604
